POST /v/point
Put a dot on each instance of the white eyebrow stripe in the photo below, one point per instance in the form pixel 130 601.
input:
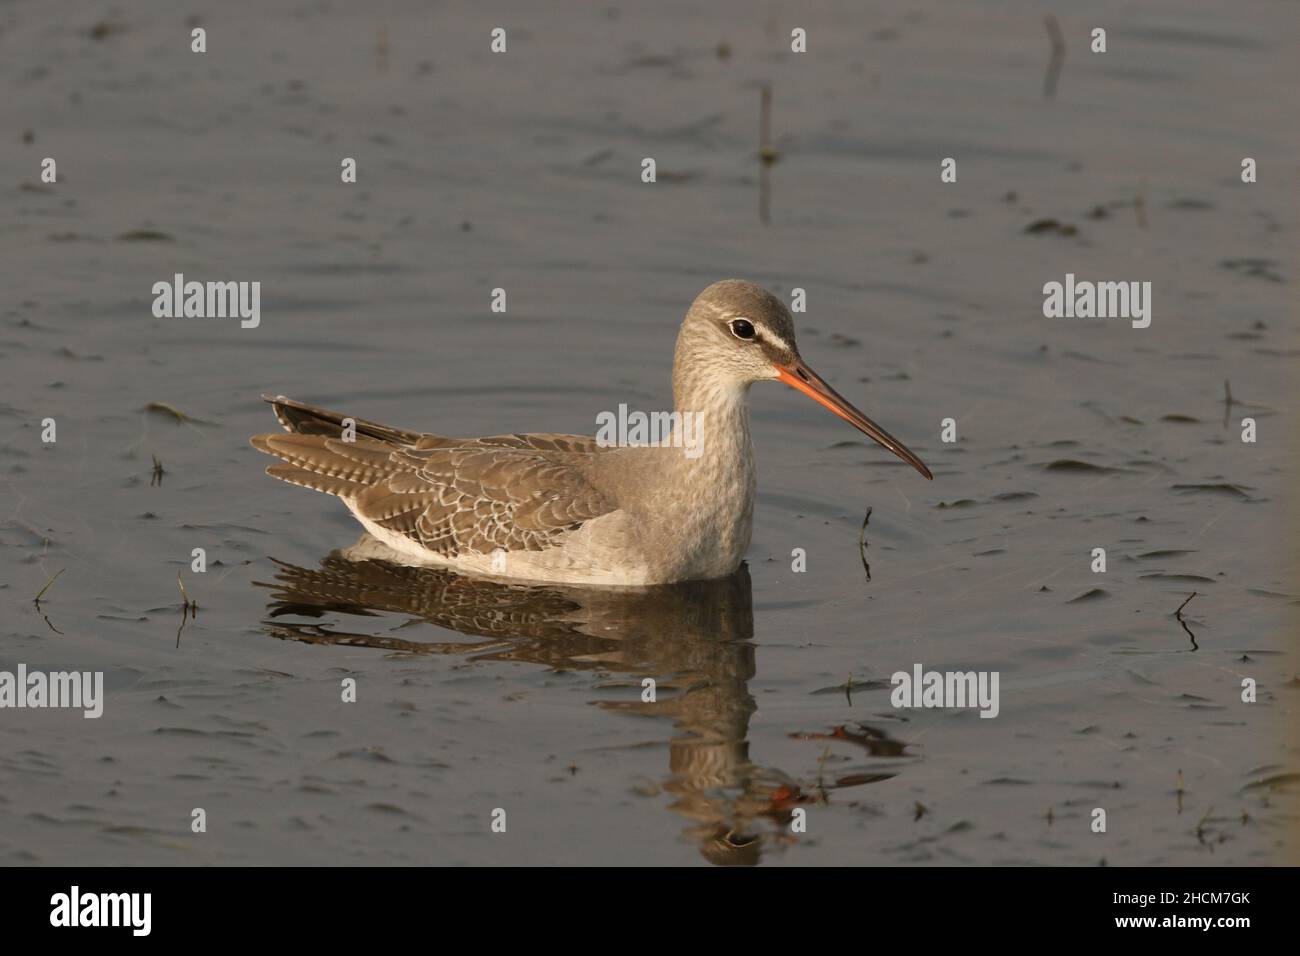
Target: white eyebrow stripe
pixel 770 339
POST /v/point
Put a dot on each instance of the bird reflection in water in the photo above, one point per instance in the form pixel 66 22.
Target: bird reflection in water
pixel 693 638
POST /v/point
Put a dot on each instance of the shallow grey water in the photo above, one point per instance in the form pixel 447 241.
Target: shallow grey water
pixel 522 171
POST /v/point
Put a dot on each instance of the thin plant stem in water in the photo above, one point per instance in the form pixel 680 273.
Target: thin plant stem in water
pixel 1179 616
pixel 54 577
pixel 1057 60
pixel 189 609
pixel 862 543
pixel 767 156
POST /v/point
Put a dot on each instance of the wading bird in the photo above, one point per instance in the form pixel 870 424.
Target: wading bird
pixel 564 508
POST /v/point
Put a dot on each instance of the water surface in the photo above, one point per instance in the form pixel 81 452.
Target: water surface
pixel 522 172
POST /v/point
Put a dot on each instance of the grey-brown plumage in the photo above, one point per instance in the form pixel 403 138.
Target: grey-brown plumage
pixel 563 507
pixel 449 496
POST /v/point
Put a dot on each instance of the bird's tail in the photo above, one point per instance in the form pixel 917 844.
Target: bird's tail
pixel 304 419
pixel 336 467
pixel 314 454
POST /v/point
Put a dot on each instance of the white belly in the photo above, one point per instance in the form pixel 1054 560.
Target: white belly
pixel 582 559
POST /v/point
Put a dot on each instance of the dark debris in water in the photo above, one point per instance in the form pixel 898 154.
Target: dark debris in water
pixel 105 29
pixel 1051 227
pixel 1074 465
pixel 1095 594
pixel 876 742
pixel 1254 267
pixel 855 685
pixel 144 235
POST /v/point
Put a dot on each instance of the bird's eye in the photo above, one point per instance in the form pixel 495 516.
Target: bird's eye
pixel 742 328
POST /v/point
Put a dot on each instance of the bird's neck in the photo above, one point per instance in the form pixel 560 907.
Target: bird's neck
pixel 704 484
pixel 712 426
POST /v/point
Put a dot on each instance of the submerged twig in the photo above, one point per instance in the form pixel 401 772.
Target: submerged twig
pixel 189 608
pixel 821 772
pixel 1057 61
pixel 381 49
pixel 54 577
pixel 1179 615
pixel 862 543
pixel 1200 826
pixel 767 156
pixel 174 413
pixel 1229 401
pixel 37 600
pixel 167 409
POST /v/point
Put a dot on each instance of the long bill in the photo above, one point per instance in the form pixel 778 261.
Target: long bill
pixel 800 377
